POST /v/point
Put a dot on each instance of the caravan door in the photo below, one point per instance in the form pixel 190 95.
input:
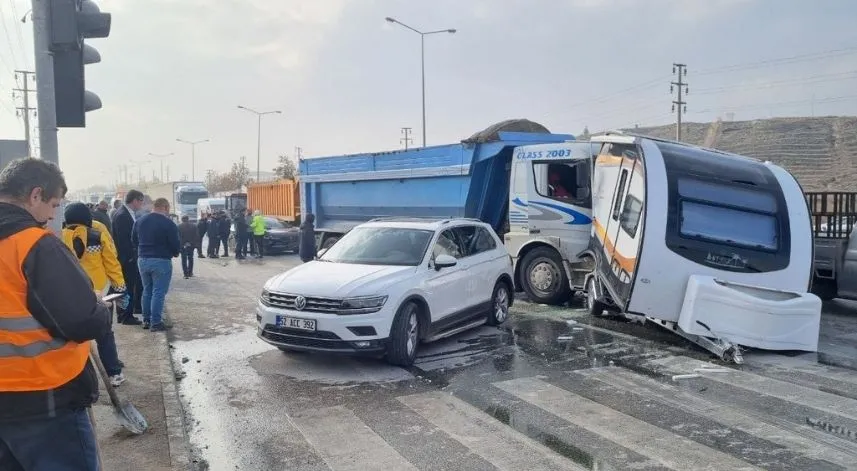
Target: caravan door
pixel 559 190
pixel 620 211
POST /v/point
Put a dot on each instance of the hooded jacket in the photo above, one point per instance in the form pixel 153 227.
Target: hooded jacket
pixel 307 250
pixel 60 297
pixel 91 242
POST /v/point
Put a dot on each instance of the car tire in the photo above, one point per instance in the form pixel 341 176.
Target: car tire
pixel 544 262
pixel 595 306
pixel 500 303
pixel 404 335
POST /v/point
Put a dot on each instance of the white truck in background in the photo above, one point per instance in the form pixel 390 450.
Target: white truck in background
pixel 183 197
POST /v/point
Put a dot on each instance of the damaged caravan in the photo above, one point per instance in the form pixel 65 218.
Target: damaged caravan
pixel 713 246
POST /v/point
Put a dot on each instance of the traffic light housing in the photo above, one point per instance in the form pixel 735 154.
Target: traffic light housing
pixel 70 22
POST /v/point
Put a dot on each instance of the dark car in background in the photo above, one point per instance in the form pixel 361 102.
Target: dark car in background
pixel 280 237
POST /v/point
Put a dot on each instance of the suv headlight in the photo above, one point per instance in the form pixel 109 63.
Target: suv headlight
pixel 265 297
pixel 362 305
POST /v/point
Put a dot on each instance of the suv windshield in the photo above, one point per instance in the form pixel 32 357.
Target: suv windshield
pixel 274 223
pixel 380 246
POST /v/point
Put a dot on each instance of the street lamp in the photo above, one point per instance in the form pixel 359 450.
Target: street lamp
pixel 259 115
pixel 422 61
pixel 161 157
pixel 193 155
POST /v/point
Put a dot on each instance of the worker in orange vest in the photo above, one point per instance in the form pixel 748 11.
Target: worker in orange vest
pixel 48 315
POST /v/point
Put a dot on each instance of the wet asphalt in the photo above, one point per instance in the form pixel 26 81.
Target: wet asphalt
pixel 551 389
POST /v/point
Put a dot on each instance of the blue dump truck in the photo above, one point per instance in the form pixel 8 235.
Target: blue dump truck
pixel 532 187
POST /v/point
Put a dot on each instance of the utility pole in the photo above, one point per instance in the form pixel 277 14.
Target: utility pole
pixel 46 100
pixel 679 105
pixel 298 153
pixel 24 111
pixel 161 157
pixel 406 139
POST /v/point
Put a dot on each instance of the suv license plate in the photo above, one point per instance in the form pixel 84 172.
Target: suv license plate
pixel 296 323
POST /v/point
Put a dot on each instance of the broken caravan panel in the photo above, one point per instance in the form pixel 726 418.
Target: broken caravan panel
pixel 714 246
pixel 550 212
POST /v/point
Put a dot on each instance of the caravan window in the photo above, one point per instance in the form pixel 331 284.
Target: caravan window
pixel 566 182
pixel 620 190
pixel 728 225
pixel 631 211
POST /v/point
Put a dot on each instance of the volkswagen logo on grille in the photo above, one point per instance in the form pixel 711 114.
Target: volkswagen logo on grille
pixel 300 303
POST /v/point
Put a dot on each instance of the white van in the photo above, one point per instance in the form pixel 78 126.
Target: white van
pixel 209 206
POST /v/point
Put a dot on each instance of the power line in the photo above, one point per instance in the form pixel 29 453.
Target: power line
pixel 798 81
pixel 778 61
pixel 778 104
pixel 18 31
pixel 6 33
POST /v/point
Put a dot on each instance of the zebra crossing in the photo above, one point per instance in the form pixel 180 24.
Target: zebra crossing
pixel 558 415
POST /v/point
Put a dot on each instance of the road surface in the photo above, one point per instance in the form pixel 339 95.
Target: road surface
pixel 550 390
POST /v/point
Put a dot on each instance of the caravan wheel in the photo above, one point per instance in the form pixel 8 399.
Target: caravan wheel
pixel 596 307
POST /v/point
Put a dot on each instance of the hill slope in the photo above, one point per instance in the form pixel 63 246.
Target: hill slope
pixel 820 152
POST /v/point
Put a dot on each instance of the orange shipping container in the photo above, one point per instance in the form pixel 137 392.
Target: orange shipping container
pixel 280 199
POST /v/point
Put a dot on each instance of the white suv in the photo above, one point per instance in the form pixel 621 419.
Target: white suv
pixel 388 285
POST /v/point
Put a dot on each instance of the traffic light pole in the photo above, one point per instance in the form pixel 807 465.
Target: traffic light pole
pixel 48 147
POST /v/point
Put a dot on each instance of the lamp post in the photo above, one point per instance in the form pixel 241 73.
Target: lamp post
pixel 423 35
pixel 161 157
pixel 192 155
pixel 259 115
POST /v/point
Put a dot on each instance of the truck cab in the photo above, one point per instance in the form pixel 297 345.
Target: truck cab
pixel 187 195
pixel 550 216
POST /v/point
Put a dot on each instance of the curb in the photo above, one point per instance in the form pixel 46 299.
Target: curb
pixel 177 438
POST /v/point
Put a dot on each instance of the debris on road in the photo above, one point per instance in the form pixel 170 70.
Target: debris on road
pixel 687 376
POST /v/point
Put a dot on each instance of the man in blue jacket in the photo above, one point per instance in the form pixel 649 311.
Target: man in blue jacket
pixel 156 238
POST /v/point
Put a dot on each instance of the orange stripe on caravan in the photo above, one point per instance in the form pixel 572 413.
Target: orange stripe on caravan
pixel 605 160
pixel 627 263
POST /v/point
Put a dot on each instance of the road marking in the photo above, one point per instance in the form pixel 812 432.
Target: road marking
pixel 497 443
pixel 808 442
pixel 346 443
pixel 791 392
pixel 668 448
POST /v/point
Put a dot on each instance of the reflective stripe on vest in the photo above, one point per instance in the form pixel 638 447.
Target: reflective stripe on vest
pixel 30 358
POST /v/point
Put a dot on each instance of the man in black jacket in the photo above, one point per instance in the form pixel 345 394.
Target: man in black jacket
pixel 201 229
pixel 100 214
pixel 122 225
pixel 224 228
pixel 213 233
pixel 241 228
pixel 306 249
pixel 46 300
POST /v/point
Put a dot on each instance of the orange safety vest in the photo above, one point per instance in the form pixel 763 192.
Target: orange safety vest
pixel 30 358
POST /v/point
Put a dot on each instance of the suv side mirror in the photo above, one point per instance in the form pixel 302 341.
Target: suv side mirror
pixel 444 261
pixel 320 253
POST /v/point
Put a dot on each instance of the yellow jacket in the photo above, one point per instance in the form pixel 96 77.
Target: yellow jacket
pixel 97 254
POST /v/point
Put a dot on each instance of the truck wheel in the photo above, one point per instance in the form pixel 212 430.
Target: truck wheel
pixel 543 277
pixel 328 243
pixel 404 335
pixel 824 289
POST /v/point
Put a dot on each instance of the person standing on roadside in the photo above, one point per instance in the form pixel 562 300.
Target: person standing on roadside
pixel 48 315
pixel 91 243
pixel 213 233
pixel 258 227
pixel 201 229
pixel 123 224
pixel 100 214
pixel 157 240
pixel 241 228
pixel 306 249
pixel 189 239
pixel 117 203
pixel 224 228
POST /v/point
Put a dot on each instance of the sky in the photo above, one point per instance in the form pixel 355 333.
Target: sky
pixel 347 81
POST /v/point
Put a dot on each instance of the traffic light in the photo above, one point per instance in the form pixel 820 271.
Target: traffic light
pixel 70 22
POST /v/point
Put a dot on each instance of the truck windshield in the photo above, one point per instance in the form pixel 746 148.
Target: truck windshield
pixel 380 246
pixel 191 197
